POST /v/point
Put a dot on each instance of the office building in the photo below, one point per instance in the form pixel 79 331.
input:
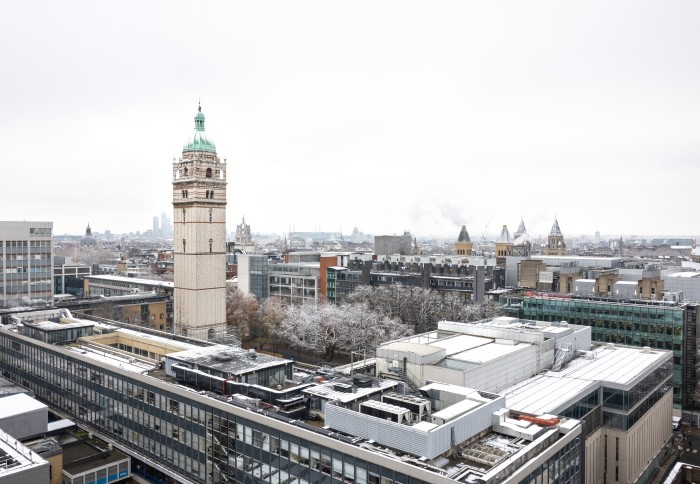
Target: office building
pixel 166 229
pixel 205 413
pixel 621 393
pixel 393 244
pixel 660 325
pixel 199 204
pixel 69 276
pixel 26 263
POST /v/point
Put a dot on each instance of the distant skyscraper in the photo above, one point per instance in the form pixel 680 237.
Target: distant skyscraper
pixel 166 230
pixel 156 227
pixel 199 207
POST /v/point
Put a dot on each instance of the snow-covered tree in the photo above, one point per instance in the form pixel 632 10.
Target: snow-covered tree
pixel 241 310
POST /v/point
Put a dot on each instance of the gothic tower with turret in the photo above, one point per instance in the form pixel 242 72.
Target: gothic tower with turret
pixel 555 241
pixel 464 245
pixel 199 215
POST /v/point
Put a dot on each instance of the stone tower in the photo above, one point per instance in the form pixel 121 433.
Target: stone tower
pixel 555 241
pixel 243 238
pixel 504 246
pixel 464 245
pixel 199 215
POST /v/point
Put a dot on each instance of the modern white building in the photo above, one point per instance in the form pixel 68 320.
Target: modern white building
pixel 20 465
pixel 623 394
pixel 199 214
pixel 26 263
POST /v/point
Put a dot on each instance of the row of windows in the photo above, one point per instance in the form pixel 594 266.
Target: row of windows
pixel 194 439
pixel 40 232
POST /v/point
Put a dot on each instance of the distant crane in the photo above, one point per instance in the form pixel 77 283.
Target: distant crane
pixel 483 234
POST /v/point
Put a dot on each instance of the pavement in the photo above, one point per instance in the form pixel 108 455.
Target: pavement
pixel 687 441
pixel 684 447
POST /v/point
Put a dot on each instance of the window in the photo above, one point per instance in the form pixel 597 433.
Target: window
pixel 184 245
pixel 211 194
pixel 208 174
pixel 210 216
pixel 211 242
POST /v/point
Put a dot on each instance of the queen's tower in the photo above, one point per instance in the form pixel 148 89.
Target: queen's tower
pixel 199 215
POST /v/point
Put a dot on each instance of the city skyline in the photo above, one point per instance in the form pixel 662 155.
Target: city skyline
pixel 387 116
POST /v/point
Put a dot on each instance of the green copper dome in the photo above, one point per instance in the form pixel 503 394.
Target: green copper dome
pixel 198 140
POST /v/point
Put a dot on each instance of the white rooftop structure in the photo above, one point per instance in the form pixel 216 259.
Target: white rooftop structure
pixel 489 355
pixel 609 365
pixel 616 366
pixel 20 464
pixel 123 362
pixel 19 404
pixel 134 280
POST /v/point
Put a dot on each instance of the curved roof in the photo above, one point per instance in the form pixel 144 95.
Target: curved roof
pixel 199 141
pixel 88 238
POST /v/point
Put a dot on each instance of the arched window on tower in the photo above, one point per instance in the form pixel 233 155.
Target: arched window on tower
pixel 211 243
pixel 210 213
pixel 186 171
pixel 177 174
pixel 211 194
pixel 207 194
pixel 184 212
pixel 208 172
pixel 184 246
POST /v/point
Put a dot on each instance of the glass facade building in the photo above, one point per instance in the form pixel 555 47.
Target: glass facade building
pixel 25 263
pixel 204 438
pixel 656 325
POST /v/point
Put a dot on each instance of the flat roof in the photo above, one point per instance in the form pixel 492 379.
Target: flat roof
pixel 19 404
pixel 15 457
pixel 133 280
pixel 80 456
pixel 489 352
pixel 684 274
pixel 548 393
pixel 53 326
pixel 327 391
pixel 616 366
pixel 460 343
pixel 417 348
pixel 228 359
pixel 123 362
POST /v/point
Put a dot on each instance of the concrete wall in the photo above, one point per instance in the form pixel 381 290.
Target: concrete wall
pixel 633 450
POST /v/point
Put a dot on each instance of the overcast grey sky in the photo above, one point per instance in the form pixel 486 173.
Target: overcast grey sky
pixel 382 115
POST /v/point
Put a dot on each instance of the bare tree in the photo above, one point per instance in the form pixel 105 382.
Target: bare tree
pixel 271 314
pixel 241 311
